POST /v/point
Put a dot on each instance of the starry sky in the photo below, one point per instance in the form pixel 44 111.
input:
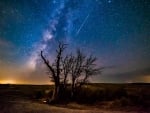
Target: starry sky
pixel 117 32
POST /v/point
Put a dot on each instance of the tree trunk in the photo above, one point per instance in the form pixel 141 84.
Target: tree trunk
pixel 73 89
pixel 55 96
pixel 64 82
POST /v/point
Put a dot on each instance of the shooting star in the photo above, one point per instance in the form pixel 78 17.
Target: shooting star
pixel 81 26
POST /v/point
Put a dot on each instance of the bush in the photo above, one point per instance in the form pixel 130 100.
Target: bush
pixel 39 94
pixel 122 102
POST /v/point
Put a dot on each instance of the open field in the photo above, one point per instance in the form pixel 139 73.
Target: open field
pixel 111 98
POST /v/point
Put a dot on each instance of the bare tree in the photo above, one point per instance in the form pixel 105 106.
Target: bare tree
pixel 82 68
pixel 90 70
pixel 66 68
pixel 55 69
pixel 76 69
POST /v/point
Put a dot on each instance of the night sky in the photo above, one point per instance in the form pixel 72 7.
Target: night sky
pixel 117 32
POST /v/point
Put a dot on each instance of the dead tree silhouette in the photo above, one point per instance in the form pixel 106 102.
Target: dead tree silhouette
pixel 55 70
pixel 77 69
pixel 82 68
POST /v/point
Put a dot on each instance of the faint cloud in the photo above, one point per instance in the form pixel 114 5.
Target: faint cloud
pixel 140 75
pixel 5 43
pixel 6 48
pixel 109 1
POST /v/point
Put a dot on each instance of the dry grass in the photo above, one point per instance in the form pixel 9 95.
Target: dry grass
pixel 32 107
pixel 21 99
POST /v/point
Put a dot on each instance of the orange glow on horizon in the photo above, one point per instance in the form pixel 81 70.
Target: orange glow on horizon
pixel 146 78
pixel 8 82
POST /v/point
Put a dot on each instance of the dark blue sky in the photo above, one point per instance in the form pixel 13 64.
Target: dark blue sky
pixel 116 31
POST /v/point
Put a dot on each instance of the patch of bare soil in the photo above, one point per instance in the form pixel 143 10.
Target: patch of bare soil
pixel 25 106
pixel 16 99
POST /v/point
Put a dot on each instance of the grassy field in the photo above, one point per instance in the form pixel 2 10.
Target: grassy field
pixel 95 98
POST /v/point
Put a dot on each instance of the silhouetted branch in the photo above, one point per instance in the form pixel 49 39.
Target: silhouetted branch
pixel 48 65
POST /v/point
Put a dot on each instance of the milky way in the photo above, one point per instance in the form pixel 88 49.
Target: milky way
pixel 61 22
pixel 116 31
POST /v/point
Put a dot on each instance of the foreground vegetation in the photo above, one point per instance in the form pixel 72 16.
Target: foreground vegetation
pixel 124 97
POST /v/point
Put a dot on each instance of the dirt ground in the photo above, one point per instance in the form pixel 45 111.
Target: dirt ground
pixel 16 100
pixel 24 106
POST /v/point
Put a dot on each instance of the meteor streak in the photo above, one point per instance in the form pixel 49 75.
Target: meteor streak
pixel 81 26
